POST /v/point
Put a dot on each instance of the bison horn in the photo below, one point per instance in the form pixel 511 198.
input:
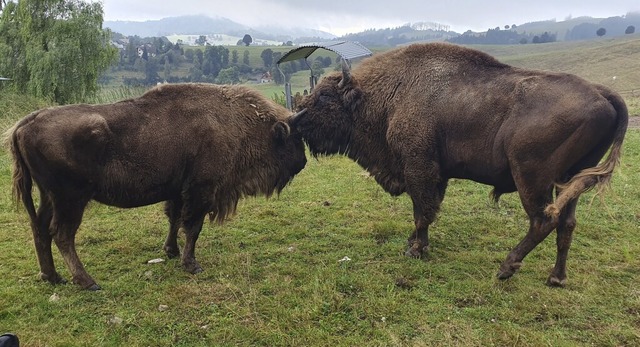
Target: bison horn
pixel 346 74
pixel 296 117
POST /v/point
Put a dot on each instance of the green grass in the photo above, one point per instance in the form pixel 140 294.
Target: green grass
pixel 273 275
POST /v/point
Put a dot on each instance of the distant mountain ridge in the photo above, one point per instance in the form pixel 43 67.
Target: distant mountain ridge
pixel 580 28
pixel 205 25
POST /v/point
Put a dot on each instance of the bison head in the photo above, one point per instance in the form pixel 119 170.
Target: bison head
pixel 289 151
pixel 327 125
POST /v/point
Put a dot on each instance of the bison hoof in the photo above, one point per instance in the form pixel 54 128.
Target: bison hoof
pixel 54 279
pixel 193 268
pixel 507 270
pixel 196 270
pixel 554 281
pixel 416 250
pixel 171 253
pixel 94 287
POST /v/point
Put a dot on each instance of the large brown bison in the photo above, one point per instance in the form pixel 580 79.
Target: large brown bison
pixel 198 147
pixel 417 116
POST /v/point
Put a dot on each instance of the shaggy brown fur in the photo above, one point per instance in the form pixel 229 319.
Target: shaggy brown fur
pixel 198 147
pixel 417 116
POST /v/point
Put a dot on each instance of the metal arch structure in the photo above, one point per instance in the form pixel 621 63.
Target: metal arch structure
pixel 347 50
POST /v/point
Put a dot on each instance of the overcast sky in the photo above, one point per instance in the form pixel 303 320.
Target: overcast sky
pixel 350 16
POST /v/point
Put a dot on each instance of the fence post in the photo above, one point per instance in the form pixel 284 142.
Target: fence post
pixel 287 95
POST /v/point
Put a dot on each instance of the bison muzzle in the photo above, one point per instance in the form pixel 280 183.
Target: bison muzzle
pixel 414 117
pixel 197 147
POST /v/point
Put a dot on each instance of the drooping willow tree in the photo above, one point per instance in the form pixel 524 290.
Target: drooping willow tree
pixel 55 49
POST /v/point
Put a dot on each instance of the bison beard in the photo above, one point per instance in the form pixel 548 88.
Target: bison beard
pixel 417 116
pixel 198 147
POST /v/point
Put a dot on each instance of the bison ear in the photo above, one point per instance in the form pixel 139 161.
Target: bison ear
pixel 352 99
pixel 281 131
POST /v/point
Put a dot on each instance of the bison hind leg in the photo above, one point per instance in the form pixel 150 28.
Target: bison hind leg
pixel 53 279
pixel 173 210
pixel 192 223
pixel 566 225
pixel 67 216
pixel 42 239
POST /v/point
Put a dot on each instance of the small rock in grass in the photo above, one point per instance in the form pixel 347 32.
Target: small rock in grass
pixel 115 320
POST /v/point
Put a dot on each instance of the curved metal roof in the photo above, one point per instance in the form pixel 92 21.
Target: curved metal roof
pixel 346 49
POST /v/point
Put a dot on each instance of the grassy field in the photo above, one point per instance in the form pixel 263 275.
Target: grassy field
pixel 322 265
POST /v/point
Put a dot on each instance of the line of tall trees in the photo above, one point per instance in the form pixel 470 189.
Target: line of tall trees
pixel 498 36
pixel 612 26
pixel 159 60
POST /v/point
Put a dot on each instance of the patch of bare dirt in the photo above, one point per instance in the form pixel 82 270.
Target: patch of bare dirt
pixel 634 121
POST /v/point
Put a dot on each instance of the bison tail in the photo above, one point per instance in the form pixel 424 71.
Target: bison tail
pixel 22 181
pixel 598 176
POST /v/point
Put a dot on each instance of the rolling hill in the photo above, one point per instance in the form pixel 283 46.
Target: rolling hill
pixel 204 25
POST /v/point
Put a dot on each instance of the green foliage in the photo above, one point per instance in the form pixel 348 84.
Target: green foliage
pixel 229 75
pixel 234 56
pixel 111 95
pixel 56 48
pixel 391 37
pixel 317 68
pixel 245 57
pixel 215 59
pixel 247 39
pixel 201 40
pixel 279 98
pixel 267 57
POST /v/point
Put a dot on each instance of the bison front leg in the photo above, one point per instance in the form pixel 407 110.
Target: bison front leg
pixel 418 242
pixel 426 189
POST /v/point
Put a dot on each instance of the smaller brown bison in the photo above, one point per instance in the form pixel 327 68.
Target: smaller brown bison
pixel 417 116
pixel 198 147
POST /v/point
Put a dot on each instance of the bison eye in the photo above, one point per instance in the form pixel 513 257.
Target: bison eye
pixel 324 99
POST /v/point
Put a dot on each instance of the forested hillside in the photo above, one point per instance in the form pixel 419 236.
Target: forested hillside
pixel 147 61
